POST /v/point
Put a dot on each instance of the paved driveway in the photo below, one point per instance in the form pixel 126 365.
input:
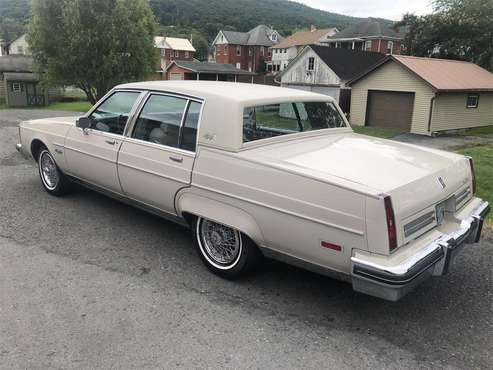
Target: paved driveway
pixel 87 282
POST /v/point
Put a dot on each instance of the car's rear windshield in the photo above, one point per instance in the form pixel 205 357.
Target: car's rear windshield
pixel 264 121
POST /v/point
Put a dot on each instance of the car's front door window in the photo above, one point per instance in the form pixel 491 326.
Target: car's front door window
pixel 112 114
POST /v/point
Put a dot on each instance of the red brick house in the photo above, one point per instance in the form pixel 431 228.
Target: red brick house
pixel 172 48
pixel 195 70
pixel 246 50
pixel 369 35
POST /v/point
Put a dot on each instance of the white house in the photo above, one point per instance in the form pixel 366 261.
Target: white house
pixel 288 49
pixel 326 70
pixel 19 46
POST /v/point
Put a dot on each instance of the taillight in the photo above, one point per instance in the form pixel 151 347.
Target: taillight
pixel 391 230
pixel 473 175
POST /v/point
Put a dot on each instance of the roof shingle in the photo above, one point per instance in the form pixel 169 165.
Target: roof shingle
pixel 304 38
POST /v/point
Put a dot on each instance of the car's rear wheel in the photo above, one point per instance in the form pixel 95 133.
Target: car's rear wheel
pixel 53 180
pixel 224 250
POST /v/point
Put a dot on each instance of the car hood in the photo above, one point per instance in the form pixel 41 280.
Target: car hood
pixel 379 164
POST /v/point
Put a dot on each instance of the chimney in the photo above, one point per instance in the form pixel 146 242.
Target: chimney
pixel 313 28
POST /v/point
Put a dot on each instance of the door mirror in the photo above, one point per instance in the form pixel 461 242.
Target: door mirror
pixel 84 123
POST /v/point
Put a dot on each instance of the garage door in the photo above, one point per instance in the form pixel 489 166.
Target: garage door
pixel 392 109
pixel 176 76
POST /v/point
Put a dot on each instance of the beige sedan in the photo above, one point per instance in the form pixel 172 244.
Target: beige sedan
pixel 265 171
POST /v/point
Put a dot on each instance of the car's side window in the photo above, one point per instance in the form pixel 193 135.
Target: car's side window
pixel 112 114
pixel 160 120
pixel 189 131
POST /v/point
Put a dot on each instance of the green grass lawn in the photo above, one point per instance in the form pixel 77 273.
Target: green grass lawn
pixel 486 132
pixel 483 164
pixel 384 133
pixel 71 106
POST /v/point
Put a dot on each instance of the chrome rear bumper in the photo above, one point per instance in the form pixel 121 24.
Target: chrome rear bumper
pixel 392 283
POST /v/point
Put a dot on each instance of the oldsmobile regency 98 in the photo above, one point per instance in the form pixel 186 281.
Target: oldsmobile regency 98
pixel 257 170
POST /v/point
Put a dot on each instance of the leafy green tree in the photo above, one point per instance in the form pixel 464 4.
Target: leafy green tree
pixel 457 29
pixel 92 44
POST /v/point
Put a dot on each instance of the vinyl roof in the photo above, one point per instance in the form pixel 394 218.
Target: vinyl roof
pixel 206 67
pixel 304 38
pixel 443 74
pixel 227 91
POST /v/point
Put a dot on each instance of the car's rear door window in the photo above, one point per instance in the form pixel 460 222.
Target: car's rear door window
pixel 160 120
pixel 261 122
pixel 190 126
pixel 112 115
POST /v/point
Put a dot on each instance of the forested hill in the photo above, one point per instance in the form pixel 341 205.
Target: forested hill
pixel 208 16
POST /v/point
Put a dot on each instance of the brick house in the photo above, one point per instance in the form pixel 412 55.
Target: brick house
pixel 246 50
pixel 172 48
pixel 369 35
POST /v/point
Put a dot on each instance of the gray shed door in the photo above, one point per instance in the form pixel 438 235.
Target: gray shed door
pixel 391 109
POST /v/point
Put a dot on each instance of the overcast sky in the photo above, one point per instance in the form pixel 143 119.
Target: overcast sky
pixel 390 9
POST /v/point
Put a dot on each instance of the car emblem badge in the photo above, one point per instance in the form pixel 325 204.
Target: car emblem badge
pixel 441 182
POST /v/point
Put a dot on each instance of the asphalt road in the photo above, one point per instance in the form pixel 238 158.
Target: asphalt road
pixel 87 282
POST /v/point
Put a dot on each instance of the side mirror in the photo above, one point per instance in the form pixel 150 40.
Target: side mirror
pixel 84 123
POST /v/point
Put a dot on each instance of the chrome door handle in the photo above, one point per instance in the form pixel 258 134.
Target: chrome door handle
pixel 111 142
pixel 176 159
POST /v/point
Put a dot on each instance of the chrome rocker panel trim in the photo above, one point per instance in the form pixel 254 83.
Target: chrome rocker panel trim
pixel 392 283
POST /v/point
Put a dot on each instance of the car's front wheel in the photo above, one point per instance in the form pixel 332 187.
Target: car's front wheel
pixel 224 250
pixel 53 180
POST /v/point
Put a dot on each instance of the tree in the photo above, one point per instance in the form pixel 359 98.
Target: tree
pixel 92 44
pixel 457 29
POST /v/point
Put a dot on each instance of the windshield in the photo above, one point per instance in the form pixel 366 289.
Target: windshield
pixel 271 120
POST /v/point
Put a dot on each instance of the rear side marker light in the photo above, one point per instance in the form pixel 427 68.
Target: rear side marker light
pixel 391 230
pixel 328 245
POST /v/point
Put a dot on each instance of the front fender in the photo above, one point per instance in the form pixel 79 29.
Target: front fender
pixel 218 211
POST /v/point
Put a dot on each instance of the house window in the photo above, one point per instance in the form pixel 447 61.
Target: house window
pixel 250 51
pixel 226 50
pixel 472 101
pixel 368 45
pixel 311 63
pixel 16 87
pixel 177 54
pixel 273 37
pixel 187 54
pixel 285 51
pixel 269 53
pixel 238 50
pixel 238 65
pixel 390 47
pixel 262 50
pixel 20 49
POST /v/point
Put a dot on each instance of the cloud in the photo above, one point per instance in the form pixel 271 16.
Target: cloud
pixel 391 9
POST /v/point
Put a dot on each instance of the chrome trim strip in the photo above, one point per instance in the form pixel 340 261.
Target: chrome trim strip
pixel 161 147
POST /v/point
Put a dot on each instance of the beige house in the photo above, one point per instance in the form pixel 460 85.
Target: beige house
pixel 422 95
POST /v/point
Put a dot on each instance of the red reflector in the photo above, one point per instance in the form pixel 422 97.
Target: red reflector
pixel 391 231
pixel 331 246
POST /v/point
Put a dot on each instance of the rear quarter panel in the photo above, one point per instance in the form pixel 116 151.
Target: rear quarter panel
pixel 293 213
